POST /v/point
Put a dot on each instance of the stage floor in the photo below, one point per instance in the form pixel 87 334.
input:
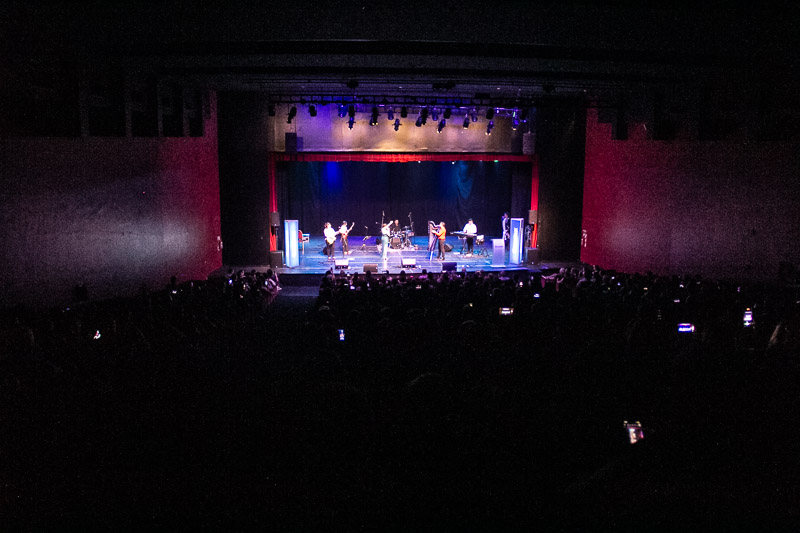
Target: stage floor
pixel 314 261
pixel 362 252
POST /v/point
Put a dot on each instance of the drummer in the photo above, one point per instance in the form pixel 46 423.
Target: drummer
pixel 395 226
pixel 470 231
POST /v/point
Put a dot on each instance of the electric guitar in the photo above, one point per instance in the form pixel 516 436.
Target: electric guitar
pixel 331 240
pixel 346 233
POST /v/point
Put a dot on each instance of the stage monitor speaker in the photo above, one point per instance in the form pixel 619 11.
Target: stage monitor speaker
pixel 342 263
pixel 533 215
pixel 408 262
pixel 448 247
pixel 274 218
pixel 371 267
pixel 276 258
pixel 449 266
pixel 531 256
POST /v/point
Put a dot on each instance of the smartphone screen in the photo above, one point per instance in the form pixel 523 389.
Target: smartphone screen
pixel 634 430
pixel 748 318
pixel 341 335
pixel 506 311
pixel 685 327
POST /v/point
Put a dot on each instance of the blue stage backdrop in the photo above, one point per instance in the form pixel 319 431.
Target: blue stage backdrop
pixel 360 192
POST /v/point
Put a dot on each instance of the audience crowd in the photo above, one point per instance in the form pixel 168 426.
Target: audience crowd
pixel 411 401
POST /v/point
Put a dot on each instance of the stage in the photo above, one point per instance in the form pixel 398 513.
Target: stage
pixel 364 251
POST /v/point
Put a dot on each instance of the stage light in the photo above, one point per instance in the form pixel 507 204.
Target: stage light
pixel 447 113
pixel 466 122
pixel 292 114
pixel 350 123
pixel 489 127
pixel 397 124
pixel 424 115
pixel 312 110
pixel 374 119
pixel 489 113
pixel 418 123
pixel 474 114
pixel 351 111
pixel 514 120
pixel 403 112
pixel 342 110
pixel 390 114
pixel 435 114
pixel 440 127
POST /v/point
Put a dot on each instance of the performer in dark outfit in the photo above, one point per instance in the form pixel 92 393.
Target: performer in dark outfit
pixel 344 232
pixel 506 223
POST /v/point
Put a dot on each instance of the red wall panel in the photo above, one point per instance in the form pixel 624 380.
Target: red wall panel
pixel 115 213
pixel 720 209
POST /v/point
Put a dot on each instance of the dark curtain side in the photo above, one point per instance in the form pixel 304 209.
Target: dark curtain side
pixel 364 193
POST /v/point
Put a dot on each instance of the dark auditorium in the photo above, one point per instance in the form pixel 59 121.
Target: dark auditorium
pixel 400 266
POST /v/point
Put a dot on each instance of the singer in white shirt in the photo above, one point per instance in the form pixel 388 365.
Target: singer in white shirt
pixel 471 230
pixel 330 238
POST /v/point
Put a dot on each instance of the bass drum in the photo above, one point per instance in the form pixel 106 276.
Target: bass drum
pixel 396 243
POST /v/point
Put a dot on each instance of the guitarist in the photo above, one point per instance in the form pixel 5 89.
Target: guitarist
pixel 330 238
pixel 344 231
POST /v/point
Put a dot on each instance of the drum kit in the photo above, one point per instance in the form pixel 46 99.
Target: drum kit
pixel 401 239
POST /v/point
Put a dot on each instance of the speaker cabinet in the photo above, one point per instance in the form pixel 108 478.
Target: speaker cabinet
pixel 274 219
pixel 531 256
pixel 371 267
pixel 449 266
pixel 448 247
pixel 291 143
pixel 276 258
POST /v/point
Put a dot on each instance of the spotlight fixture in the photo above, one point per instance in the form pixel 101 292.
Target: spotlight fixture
pixel 342 110
pixel 440 127
pixel 489 127
pixel 390 114
pixel 312 110
pixel 292 114
pixel 435 114
pixel 514 120
pixel 447 112
pixel 418 123
pixel 403 112
pixel 466 122
pixel 350 123
pixel 474 114
pixel 373 121
pixel 489 113
pixel 351 111
pixel 397 124
pixel 424 115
